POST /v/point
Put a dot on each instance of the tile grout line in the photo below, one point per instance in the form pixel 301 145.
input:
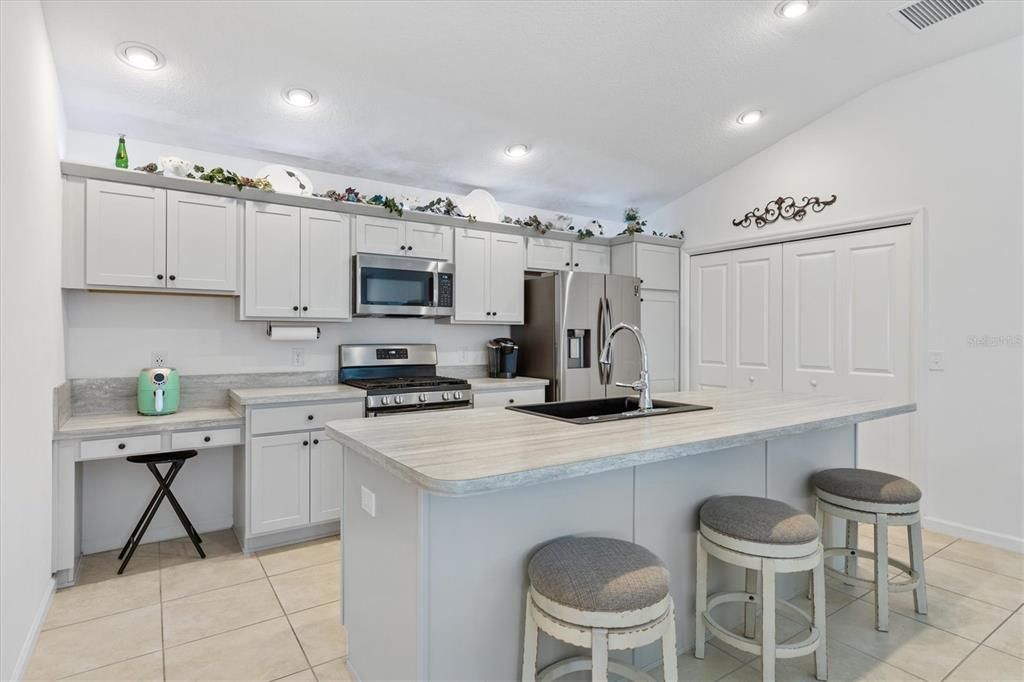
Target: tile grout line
pixel 979 568
pixel 125 660
pixel 163 648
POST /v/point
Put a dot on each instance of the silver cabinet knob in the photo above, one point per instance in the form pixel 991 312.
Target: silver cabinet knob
pixel 814 382
pixel 423 397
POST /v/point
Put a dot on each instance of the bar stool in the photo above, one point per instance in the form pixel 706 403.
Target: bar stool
pixel 760 534
pixel 883 500
pixel 177 461
pixel 603 594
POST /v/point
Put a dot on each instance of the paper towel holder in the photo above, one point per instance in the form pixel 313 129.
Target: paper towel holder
pixel 270 328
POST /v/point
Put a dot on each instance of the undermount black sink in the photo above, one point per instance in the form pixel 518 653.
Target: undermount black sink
pixel 599 410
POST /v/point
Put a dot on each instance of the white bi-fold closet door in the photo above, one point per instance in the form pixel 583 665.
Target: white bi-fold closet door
pixel 829 315
pixel 736 309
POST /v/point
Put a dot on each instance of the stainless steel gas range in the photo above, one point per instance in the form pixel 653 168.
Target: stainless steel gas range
pixel 399 379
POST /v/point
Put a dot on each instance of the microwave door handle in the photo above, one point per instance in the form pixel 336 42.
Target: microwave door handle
pixel 433 288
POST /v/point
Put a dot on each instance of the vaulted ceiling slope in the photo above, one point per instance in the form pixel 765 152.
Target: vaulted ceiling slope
pixel 623 103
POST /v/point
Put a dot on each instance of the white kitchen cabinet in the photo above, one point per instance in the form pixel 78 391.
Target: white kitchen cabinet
pixel 297 263
pixel 325 478
pixel 126 235
pixel 488 277
pixel 272 259
pixel 390 237
pixel 591 258
pixel 504 398
pixel 548 254
pixel 325 265
pixel 658 266
pixel 735 314
pixel 659 319
pixel 279 486
pixel 202 242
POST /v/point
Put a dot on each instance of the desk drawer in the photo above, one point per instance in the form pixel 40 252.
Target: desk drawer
pixel 120 447
pixel 522 396
pixel 210 438
pixel 302 417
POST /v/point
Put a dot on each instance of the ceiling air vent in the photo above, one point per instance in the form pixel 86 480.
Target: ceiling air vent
pixel 923 14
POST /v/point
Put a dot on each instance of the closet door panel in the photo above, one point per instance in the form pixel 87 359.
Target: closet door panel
pixel 756 313
pixel 711 359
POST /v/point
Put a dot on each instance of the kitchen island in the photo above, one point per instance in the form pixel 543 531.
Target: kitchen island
pixel 442 512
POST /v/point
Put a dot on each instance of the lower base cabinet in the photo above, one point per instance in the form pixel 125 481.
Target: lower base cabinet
pixel 296 480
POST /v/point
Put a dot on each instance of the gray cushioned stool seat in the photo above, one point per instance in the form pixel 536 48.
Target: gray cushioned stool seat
pixel 758 519
pixel 598 574
pixel 867 485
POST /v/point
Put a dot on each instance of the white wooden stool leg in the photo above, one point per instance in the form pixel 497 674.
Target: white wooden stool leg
pixel 599 654
pixel 668 647
pixel 530 643
pixel 702 599
pixel 749 614
pixel 852 540
pixel 819 518
pixel 821 653
pixel 917 564
pixel 768 620
pixel 882 572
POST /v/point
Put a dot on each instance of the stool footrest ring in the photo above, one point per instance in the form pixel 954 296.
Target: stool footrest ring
pixel 791 650
pixel 895 585
pixel 578 664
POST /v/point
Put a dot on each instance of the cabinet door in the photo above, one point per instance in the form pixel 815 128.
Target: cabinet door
pixel 507 263
pixel 279 482
pixel 472 266
pixel 125 235
pixel 325 265
pixel 428 241
pixel 755 313
pixel 202 242
pixel 659 320
pixel 592 258
pixel 271 261
pixel 710 350
pixel 658 266
pixel 548 254
pixel 380 235
pixel 325 478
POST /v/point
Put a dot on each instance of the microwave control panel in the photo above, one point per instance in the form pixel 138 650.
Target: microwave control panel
pixel 444 290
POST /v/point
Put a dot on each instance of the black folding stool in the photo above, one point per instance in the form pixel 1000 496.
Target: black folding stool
pixel 177 461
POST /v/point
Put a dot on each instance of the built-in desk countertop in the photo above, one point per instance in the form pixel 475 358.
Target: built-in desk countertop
pixel 99 425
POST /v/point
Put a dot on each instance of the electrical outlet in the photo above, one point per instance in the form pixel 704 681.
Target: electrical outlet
pixel 368 501
pixel 298 357
pixel 158 359
pixel 936 361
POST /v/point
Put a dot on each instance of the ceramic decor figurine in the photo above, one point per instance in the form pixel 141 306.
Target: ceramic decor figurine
pixel 121 158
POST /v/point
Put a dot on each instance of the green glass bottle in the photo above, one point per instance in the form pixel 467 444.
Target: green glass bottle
pixel 121 158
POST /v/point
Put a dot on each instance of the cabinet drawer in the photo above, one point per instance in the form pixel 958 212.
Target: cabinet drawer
pixel 302 417
pixel 120 447
pixel 526 396
pixel 205 439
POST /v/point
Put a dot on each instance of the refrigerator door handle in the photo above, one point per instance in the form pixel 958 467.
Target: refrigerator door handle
pixel 606 330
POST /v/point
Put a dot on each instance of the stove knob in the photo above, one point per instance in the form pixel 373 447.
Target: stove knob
pixel 384 400
pixel 446 396
pixel 399 400
pixel 423 397
pixel 458 395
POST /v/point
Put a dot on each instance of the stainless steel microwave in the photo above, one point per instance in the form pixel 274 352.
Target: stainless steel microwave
pixel 403 287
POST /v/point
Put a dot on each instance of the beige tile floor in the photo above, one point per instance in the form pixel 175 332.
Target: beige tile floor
pixel 274 615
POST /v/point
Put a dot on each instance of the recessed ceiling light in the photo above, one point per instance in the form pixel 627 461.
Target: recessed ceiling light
pixel 517 151
pixel 791 9
pixel 748 118
pixel 140 56
pixel 299 97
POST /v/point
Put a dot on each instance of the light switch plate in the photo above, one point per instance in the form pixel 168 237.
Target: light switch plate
pixel 936 361
pixel 368 501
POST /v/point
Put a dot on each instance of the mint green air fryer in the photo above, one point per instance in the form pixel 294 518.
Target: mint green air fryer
pixel 159 391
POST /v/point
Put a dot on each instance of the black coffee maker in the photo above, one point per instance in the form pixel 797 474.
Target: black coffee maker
pixel 502 358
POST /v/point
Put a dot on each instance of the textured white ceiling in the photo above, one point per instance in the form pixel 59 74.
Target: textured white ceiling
pixel 624 103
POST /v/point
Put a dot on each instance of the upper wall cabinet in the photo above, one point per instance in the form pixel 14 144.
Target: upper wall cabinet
pixel 489 270
pixel 403 238
pixel 591 258
pixel 297 263
pixel 143 237
pixel 657 266
pixel 544 253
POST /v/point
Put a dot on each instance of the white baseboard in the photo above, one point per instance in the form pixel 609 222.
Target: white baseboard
pixel 29 645
pixel 169 531
pixel 977 534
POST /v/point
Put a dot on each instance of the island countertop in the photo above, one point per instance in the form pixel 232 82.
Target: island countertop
pixel 466 453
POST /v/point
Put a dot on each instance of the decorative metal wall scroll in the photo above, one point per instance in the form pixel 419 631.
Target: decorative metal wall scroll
pixel 785 208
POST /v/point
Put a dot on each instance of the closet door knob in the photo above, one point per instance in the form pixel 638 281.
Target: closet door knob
pixel 751 378
pixel 814 382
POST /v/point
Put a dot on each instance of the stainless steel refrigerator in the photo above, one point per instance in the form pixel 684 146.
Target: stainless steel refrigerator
pixel 568 317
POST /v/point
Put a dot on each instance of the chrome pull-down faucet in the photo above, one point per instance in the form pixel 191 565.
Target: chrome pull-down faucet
pixel 643 384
